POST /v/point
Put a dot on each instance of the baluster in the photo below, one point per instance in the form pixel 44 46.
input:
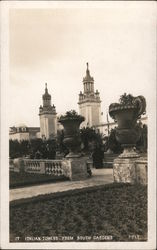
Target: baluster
pixel 46 170
pixel 38 166
pixel 49 168
pixel 53 168
pixel 56 168
pixel 61 169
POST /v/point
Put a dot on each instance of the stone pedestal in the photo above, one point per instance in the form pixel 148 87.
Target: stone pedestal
pixel 129 167
pixel 75 168
pixel 18 165
pixel 124 170
pixel 141 171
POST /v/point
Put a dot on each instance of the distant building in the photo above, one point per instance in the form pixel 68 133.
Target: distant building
pixel 48 117
pixel 48 123
pixel 22 132
pixel 89 102
pixel 106 127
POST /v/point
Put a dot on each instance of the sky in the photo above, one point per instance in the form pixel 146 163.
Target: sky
pixel 52 45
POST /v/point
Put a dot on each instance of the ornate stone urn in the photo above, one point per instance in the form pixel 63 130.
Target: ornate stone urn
pixel 126 113
pixel 71 123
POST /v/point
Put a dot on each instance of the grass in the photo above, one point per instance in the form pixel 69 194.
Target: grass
pixel 28 179
pixel 119 210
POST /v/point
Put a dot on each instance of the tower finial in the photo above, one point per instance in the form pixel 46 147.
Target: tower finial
pixel 88 77
pixel 46 90
pixel 87 65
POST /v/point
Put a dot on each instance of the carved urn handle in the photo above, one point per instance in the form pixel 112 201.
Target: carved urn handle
pixel 140 103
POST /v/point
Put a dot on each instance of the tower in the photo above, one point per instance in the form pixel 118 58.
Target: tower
pixel 48 116
pixel 89 102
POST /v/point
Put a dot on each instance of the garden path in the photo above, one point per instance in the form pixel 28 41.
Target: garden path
pixel 99 177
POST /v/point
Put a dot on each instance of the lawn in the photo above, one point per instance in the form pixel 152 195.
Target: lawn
pixel 29 179
pixel 118 210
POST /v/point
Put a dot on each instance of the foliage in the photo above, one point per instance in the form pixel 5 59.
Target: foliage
pixel 14 149
pixel 98 156
pixel 126 99
pixel 90 136
pixel 18 149
pixel 142 142
pixel 28 179
pixel 112 143
pixel 61 147
pixel 71 115
pixel 35 148
pixel 119 210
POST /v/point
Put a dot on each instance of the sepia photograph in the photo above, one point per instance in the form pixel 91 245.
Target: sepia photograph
pixel 78 125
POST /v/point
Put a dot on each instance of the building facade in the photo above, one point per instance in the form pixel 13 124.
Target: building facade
pixel 89 102
pixel 48 117
pixel 22 132
pixel 106 127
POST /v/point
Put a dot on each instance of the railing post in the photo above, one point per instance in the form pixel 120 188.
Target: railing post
pixel 42 167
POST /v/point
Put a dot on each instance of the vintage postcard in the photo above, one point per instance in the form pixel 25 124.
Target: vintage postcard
pixel 78 125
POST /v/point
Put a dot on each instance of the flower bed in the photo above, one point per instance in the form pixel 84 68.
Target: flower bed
pixel 118 210
pixel 29 179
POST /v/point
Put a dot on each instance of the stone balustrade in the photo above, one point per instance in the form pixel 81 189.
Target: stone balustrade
pixel 50 167
pixel 32 166
pixel 54 167
pixel 74 170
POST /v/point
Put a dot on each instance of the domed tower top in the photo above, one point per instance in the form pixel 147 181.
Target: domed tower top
pixel 88 77
pixel 46 108
pixel 46 97
pixel 88 82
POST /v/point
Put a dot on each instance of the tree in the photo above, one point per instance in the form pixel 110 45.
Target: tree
pixel 60 144
pixel 24 147
pixel 90 138
pixel 35 145
pixel 112 143
pixel 14 148
pixel 51 148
